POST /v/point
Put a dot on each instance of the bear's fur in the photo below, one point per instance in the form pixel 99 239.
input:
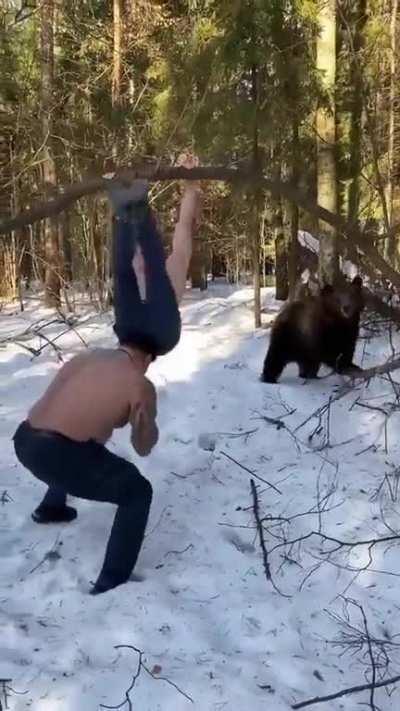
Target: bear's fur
pixel 316 329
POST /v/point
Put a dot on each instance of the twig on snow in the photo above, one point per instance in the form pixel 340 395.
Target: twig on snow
pixel 249 471
pixel 179 552
pixel 141 665
pixel 5 497
pixel 52 554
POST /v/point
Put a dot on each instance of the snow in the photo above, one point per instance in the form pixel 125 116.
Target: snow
pixel 199 606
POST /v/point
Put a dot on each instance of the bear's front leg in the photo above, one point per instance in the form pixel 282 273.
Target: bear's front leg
pixel 275 361
pixel 308 369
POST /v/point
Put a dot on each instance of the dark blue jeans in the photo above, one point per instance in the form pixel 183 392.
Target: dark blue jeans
pixel 153 324
pixel 89 471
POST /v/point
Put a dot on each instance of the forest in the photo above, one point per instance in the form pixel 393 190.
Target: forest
pixel 302 92
pixel 268 575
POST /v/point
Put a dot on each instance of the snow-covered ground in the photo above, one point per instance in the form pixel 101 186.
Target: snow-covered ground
pixel 200 608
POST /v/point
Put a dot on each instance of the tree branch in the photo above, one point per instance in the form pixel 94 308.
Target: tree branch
pixel 69 194
pixel 348 233
pixel 345 692
pixel 387 367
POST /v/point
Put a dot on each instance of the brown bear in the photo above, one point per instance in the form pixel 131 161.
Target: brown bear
pixel 316 329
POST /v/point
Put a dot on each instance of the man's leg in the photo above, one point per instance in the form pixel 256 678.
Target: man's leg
pixel 127 533
pixel 102 476
pixel 179 259
pixel 188 221
pixel 146 310
pixel 53 507
pixel 89 471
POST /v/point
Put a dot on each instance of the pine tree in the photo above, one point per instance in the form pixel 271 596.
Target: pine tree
pixel 326 140
pixel 51 245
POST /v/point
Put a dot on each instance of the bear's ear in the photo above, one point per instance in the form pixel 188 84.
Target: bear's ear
pixel 357 282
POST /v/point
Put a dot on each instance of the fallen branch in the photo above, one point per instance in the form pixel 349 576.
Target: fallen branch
pixel 376 303
pixel 355 640
pixel 36 330
pixel 371 657
pixel 388 367
pixel 345 692
pixel 370 542
pixel 7 690
pixel 367 374
pixel 327 553
pixel 135 677
pixel 260 529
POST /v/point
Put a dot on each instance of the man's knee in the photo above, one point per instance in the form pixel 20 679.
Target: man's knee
pixel 137 487
pixel 146 489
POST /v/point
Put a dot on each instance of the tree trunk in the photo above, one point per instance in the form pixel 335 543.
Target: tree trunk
pixel 6 288
pixel 281 253
pixel 5 163
pixel 256 197
pixel 326 138
pixel 51 233
pixel 255 241
pixel 359 18
pixel 393 126
pixel 116 68
pixel 279 233
pixel 257 290
pixel 293 251
pixel 198 266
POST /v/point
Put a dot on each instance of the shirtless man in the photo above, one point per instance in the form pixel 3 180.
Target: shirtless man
pixel 62 441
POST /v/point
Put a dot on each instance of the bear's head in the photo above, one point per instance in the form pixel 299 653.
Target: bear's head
pixel 345 301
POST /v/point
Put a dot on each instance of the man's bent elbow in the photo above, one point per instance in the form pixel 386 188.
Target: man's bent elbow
pixel 144 444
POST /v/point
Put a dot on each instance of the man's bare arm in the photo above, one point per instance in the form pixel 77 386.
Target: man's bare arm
pixel 178 262
pixel 144 434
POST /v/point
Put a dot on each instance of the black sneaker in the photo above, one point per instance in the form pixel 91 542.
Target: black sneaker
pixel 125 197
pixel 54 514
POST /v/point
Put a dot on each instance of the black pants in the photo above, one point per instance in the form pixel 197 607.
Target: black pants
pixel 89 471
pixel 153 323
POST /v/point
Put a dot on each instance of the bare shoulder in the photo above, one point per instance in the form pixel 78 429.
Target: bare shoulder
pixel 94 359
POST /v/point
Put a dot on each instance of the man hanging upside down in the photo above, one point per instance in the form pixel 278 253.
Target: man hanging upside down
pixel 62 440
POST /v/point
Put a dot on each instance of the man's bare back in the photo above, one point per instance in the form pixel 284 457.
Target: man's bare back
pixel 97 392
